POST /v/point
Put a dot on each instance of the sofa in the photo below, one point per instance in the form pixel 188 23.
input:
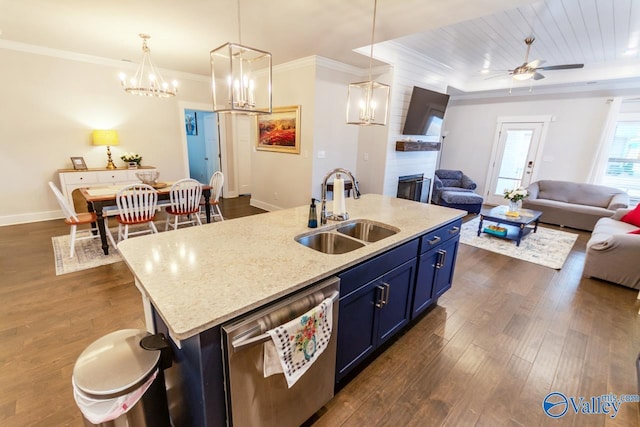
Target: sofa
pixel 573 204
pixel 454 189
pixel 613 254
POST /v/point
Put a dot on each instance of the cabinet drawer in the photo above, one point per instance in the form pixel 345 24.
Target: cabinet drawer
pixel 111 177
pixel 440 235
pixel 352 279
pixel 78 178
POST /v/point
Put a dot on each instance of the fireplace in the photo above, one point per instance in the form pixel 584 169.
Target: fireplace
pixel 414 187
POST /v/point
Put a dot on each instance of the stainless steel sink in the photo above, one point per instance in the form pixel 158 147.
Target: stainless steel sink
pixel 367 231
pixel 346 237
pixel 329 243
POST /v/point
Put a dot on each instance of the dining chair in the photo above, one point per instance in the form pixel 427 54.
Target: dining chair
pixel 74 219
pixel 216 183
pixel 185 197
pixel 137 204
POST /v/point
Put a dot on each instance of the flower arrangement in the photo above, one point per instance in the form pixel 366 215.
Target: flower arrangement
pixel 131 157
pixel 516 194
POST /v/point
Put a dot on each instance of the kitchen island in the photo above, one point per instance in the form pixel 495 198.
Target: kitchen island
pixel 194 280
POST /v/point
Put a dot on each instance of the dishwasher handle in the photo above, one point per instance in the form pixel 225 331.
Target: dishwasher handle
pixel 245 343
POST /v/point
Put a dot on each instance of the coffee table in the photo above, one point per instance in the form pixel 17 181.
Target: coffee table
pixel 517 227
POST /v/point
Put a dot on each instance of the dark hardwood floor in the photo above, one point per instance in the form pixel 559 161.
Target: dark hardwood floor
pixel 504 336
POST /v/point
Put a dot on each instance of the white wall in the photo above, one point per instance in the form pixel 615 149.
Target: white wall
pixel 319 86
pixel 333 137
pixel 283 180
pixel 49 108
pixel 569 148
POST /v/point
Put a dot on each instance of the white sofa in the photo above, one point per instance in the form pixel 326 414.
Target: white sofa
pixel 612 253
pixel 572 204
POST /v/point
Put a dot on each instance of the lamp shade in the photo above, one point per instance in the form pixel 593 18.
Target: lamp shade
pixel 105 137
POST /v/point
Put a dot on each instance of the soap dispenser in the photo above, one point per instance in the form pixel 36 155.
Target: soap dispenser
pixel 313 215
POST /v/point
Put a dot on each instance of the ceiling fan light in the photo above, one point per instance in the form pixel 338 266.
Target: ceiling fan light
pixel 523 74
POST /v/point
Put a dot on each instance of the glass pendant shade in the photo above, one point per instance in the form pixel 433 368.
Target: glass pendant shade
pixel 367 103
pixel 241 79
pixel 523 73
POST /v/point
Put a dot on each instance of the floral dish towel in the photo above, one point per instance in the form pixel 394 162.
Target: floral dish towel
pixel 299 342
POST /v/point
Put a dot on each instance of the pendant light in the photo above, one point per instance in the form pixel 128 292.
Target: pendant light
pixel 148 81
pixel 367 102
pixel 241 78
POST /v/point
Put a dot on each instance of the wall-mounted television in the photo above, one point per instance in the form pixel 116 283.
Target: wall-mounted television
pixel 425 113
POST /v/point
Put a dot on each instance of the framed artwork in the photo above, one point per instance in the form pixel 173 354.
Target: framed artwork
pixel 78 163
pixel 191 123
pixel 280 130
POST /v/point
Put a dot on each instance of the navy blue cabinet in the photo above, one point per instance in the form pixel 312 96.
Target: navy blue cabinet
pixel 375 303
pixel 444 267
pixel 438 250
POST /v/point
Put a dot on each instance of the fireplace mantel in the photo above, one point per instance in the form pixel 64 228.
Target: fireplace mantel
pixel 417 146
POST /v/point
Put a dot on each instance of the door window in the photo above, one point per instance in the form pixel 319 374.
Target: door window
pixel 514 156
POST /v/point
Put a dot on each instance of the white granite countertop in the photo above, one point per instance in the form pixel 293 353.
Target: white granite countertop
pixel 200 277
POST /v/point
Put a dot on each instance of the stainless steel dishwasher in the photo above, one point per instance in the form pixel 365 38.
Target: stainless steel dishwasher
pixel 253 400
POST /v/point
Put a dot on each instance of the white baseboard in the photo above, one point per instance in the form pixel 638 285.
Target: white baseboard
pixel 30 217
pixel 263 205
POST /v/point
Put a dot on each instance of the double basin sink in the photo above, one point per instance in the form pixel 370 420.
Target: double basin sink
pixel 346 237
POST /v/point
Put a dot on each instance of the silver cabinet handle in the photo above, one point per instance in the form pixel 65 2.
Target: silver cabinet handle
pixel 385 298
pixel 380 302
pixel 435 240
pixel 442 257
pixel 454 230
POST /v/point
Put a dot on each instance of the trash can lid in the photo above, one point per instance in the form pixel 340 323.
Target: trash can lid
pixel 114 364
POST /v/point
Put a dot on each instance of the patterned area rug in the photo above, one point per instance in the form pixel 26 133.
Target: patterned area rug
pixel 545 247
pixel 88 254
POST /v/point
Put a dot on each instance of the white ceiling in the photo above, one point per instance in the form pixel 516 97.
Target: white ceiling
pixel 460 36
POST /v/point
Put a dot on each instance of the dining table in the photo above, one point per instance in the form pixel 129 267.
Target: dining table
pixel 99 198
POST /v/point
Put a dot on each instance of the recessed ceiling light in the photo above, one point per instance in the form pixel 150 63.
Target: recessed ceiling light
pixel 484 71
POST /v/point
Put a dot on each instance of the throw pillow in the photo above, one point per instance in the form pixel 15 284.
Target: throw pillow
pixel 632 217
pixel 634 232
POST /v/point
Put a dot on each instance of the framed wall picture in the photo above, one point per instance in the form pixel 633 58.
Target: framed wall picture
pixel 78 163
pixel 191 123
pixel 280 130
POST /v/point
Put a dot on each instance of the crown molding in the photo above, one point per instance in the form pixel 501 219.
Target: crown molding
pixel 90 59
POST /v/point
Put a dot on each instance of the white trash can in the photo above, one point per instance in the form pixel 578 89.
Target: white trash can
pixel 118 383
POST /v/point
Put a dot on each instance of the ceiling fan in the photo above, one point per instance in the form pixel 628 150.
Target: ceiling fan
pixel 529 70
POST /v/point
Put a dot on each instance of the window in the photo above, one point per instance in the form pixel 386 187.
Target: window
pixel 623 163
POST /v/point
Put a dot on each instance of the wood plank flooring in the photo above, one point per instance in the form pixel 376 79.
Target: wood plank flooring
pixel 504 336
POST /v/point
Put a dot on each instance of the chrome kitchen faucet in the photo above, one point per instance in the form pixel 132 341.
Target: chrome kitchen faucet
pixel 323 211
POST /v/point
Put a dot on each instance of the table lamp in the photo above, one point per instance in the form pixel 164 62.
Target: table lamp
pixel 108 138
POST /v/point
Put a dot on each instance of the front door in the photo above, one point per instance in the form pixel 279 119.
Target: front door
pixel 514 159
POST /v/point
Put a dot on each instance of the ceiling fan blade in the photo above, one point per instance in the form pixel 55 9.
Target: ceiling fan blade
pixel 534 64
pixel 538 76
pixel 561 67
pixel 496 76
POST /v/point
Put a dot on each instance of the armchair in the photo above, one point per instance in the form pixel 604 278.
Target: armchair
pixel 452 188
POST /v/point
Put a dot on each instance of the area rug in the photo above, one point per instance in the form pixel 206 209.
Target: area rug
pixel 88 254
pixel 545 247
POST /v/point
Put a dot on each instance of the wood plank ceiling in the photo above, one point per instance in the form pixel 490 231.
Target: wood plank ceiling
pixel 602 34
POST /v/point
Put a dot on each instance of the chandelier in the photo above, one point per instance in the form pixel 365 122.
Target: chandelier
pixel 367 102
pixel 240 78
pixel 148 81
